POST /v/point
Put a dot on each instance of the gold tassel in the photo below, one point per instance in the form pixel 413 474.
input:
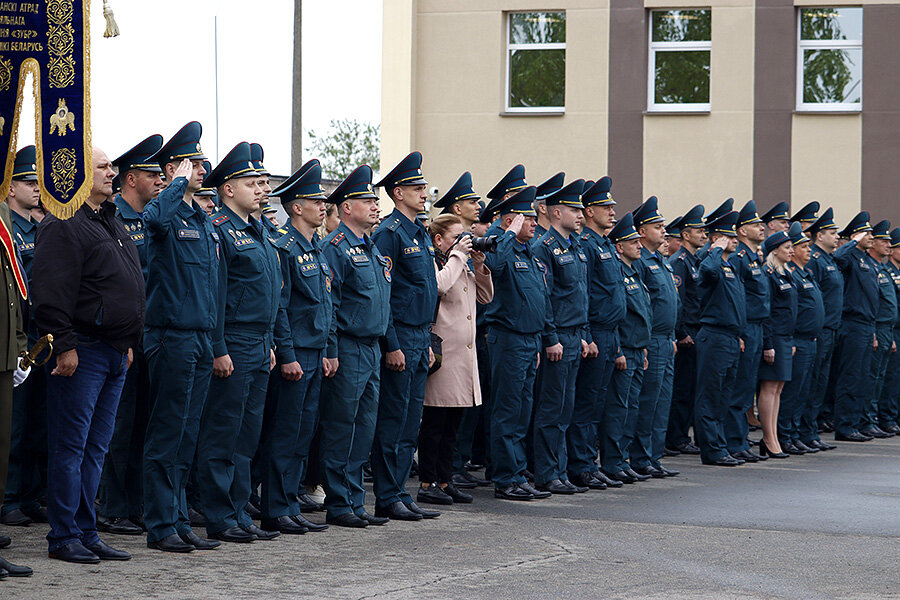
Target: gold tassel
pixel 112 28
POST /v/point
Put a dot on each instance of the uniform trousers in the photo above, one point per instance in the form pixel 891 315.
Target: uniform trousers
pixel 81 414
pixel 795 406
pixel 889 401
pixel 348 408
pixel 718 358
pixel 6 402
pixel 884 332
pixel 620 412
pixel 684 390
pixel 736 426
pixel 28 444
pixel 292 413
pixel 854 381
pixel 180 365
pixel 513 368
pixel 653 404
pixel 437 439
pixel 399 414
pixel 591 385
pixel 818 387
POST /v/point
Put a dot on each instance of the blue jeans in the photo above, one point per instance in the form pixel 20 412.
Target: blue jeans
pixel 81 414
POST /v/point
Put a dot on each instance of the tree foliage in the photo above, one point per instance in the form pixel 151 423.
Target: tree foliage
pixel 346 144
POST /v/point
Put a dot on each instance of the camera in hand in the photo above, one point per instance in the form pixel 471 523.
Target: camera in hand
pixel 487 243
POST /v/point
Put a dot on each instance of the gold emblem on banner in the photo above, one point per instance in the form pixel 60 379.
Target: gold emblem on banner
pixel 62 170
pixel 60 43
pixel 61 119
pixel 5 73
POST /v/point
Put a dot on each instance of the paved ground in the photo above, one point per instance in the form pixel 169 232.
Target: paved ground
pixel 816 527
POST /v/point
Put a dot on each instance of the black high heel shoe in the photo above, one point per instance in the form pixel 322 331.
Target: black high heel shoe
pixel 766 452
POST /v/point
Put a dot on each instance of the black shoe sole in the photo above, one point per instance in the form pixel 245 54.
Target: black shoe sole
pixel 155 546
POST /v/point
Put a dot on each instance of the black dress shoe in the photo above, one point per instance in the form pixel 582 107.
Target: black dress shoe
pixel 746 456
pixel 263 534
pixel 397 511
pixel 433 494
pixel 307 504
pixel 578 489
pixel 197 519
pixel 372 520
pixel 764 451
pixel 139 521
pixel 4 573
pixel 538 494
pixel 106 552
pixel 283 524
pixel 468 477
pixel 650 471
pixel 852 437
pixel 314 527
pixel 892 428
pixel 458 495
pixel 426 514
pixel 119 526
pixel 823 445
pixel 601 476
pixel 671 452
pixel 555 486
pixel 5 541
pixel 470 466
pixel 462 482
pixel 15 518
pixel 621 476
pixel 636 476
pixel 197 542
pixel 688 448
pixel 587 480
pixel 875 432
pixel 233 534
pixel 790 448
pixel 805 448
pixel 347 520
pixel 171 543
pixel 512 492
pixel 37 515
pixel 669 472
pixel 15 570
pixel 253 510
pixel 74 552
pixel 827 426
pixel 725 461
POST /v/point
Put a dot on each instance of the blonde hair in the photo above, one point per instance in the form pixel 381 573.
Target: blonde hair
pixel 441 223
pixel 774 263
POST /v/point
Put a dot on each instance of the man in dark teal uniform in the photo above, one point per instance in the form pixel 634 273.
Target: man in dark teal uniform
pixel 28 447
pixel 544 190
pixel 304 320
pixel 511 183
pixel 649 435
pixel 564 339
pixel 120 509
pixel 722 210
pixel 606 310
pixel 243 349
pixel 403 242
pixel 182 308
pixel 515 319
pixel 462 201
pixel 806 216
pixel 747 266
pixel 823 269
pixel 256 157
pixel 361 301
pixel 723 318
pixel 857 338
pixel 884 327
pixel 889 402
pixel 686 269
pixel 777 218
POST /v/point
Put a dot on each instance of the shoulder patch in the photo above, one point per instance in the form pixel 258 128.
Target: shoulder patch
pixel 284 242
pixel 220 219
pixel 337 239
pixel 548 240
pixel 282 230
pixel 742 252
pixel 816 254
pixel 393 225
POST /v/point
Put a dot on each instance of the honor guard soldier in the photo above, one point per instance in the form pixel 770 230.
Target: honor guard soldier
pixel 889 402
pixel 749 270
pixel 182 307
pixel 462 201
pixel 511 183
pixel 403 242
pixel 551 186
pixel 249 293
pixel 719 345
pixel 686 269
pixel 722 210
pixel 120 509
pixel 777 218
pixel 361 300
pixel 304 319
pixel 857 334
pixel 823 269
pixel 564 339
pixel 606 311
pixel 28 446
pixel 631 359
pixel 884 326
pixel 515 319
pixel 649 434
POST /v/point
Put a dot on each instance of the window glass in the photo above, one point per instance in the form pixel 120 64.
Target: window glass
pixel 536 62
pixel 679 60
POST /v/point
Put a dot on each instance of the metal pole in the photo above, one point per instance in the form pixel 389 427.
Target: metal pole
pixel 297 89
pixel 216 75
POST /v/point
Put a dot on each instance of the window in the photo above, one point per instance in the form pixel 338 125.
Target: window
pixel 680 47
pixel 536 62
pixel 829 59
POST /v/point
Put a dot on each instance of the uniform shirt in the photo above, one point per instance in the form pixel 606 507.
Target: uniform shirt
pixel 521 302
pixel 182 262
pixel 810 306
pixel 24 231
pixel 606 292
pixel 407 247
pixel 887 297
pixel 360 287
pixel 657 275
pixel 566 271
pixel 304 313
pixel 686 270
pixel 783 317
pixel 894 272
pixel 860 283
pixel 749 269
pixel 823 268
pixel 249 278
pixel 634 331
pixel 722 295
pixel 134 225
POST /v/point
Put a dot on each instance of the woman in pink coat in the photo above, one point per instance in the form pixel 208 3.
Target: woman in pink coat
pixel 462 280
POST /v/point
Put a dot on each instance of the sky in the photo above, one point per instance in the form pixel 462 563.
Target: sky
pixel 160 72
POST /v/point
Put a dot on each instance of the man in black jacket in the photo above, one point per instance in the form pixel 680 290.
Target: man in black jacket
pixel 88 293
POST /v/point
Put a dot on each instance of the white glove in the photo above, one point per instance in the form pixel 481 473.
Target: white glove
pixel 20 374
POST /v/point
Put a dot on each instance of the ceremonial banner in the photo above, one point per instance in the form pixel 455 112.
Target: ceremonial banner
pixel 51 40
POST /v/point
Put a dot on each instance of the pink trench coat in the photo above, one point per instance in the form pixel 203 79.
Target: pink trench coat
pixel 456 382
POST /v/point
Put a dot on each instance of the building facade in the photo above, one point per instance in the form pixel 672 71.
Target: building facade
pixel 689 101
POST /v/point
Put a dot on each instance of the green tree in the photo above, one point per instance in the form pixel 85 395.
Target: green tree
pixel 346 144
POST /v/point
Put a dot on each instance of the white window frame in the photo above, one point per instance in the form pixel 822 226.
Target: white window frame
pixel 510 47
pixel 654 47
pixel 825 45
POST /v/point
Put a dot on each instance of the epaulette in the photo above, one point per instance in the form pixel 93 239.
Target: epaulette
pixel 585 236
pixel 789 268
pixel 337 239
pixel 817 254
pixel 282 230
pixel 393 225
pixel 681 256
pixel 220 219
pixel 548 240
pixel 769 269
pixel 284 242
pixel 742 253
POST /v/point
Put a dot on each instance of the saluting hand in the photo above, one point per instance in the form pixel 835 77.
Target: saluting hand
pixel 857 237
pixel 185 169
pixel 721 242
pixel 516 225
